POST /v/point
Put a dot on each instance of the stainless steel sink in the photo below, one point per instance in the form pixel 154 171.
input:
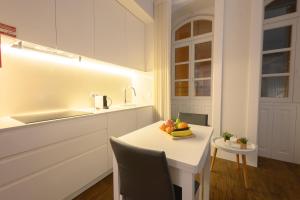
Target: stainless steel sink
pixel 27 119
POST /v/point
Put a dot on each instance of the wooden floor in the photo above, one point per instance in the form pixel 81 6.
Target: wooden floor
pixel 272 180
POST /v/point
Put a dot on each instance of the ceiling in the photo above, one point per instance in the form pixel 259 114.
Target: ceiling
pixel 177 4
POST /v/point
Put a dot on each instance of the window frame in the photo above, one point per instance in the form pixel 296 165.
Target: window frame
pixel 191 42
pixel 282 17
pixel 292 50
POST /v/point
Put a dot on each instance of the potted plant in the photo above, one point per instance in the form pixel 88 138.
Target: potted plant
pixel 227 136
pixel 243 142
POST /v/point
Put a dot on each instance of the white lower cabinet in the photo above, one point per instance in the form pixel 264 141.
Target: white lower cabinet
pixel 276 137
pixel 123 122
pixel 119 123
pixel 61 180
pixel 144 117
pixel 52 160
pixel 56 160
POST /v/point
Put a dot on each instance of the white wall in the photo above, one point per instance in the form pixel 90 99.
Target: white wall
pixel 254 71
pixel 235 66
pixel 242 40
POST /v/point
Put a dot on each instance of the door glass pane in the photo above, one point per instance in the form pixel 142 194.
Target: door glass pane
pixel 182 71
pixel 276 87
pixel 182 88
pixel 280 7
pixel 203 51
pixel 202 88
pixel 276 63
pixel 202 69
pixel 202 27
pixel 182 54
pixel 183 32
pixel 277 38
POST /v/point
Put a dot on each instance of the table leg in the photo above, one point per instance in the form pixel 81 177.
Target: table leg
pixel 245 170
pixel 214 158
pixel 238 160
pixel 185 180
pixel 117 195
pixel 206 177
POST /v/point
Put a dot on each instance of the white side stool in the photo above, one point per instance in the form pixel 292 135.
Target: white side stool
pixel 230 147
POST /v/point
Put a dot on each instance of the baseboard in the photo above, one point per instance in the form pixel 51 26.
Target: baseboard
pixel 81 190
pixel 251 159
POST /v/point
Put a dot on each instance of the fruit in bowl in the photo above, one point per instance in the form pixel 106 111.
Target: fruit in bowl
pixel 182 125
pixel 163 127
pixel 169 123
pixel 169 126
pixel 169 129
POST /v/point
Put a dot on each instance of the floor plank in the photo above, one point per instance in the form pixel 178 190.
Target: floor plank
pixel 272 180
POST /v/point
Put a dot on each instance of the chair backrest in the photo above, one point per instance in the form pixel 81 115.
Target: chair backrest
pixel 143 174
pixel 191 118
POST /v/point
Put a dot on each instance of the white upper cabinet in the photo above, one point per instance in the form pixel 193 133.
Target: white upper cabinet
pixel 34 19
pixel 110 32
pixel 135 31
pixel 75 26
pixel 100 29
pixel 119 36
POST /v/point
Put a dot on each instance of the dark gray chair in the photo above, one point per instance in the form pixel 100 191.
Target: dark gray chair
pixel 191 118
pixel 143 174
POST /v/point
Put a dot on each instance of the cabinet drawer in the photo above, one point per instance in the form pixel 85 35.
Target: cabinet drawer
pixel 61 180
pixel 32 137
pixel 37 160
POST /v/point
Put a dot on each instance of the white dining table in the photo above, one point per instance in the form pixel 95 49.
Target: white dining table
pixel 186 157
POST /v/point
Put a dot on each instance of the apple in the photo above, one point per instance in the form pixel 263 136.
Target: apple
pixel 163 127
pixel 169 122
pixel 169 129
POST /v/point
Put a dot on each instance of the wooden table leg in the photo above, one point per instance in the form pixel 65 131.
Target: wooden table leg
pixel 238 160
pixel 214 158
pixel 245 170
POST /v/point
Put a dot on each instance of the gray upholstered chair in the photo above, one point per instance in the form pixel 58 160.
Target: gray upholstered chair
pixel 191 118
pixel 143 174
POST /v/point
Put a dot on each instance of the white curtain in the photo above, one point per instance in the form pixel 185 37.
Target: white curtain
pixel 162 59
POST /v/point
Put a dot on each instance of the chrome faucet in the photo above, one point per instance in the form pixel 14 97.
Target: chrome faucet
pixel 125 95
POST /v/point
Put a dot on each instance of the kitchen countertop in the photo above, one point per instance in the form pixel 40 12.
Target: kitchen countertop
pixel 8 123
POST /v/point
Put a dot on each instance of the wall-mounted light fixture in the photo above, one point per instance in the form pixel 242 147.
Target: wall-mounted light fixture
pixel 42 49
pixel 45 54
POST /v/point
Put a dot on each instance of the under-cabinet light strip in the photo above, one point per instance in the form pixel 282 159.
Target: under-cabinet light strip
pixel 85 63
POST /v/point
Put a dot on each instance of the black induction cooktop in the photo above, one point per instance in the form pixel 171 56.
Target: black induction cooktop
pixel 33 118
